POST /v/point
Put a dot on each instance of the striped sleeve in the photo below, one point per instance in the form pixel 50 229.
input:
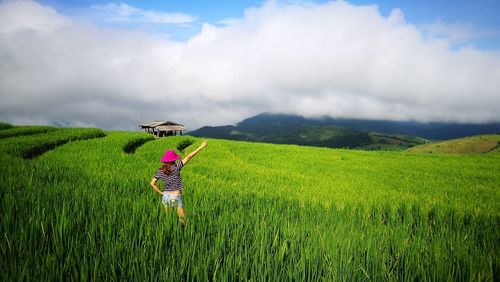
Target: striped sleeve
pixel 157 174
pixel 179 165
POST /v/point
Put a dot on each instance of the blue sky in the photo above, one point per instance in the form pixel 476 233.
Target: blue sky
pixel 479 19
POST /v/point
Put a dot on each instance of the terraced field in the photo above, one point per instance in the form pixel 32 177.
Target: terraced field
pixel 76 205
pixel 480 144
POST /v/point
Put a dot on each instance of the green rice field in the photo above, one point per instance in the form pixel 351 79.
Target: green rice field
pixel 76 204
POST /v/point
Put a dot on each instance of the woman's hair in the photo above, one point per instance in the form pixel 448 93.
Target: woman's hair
pixel 166 168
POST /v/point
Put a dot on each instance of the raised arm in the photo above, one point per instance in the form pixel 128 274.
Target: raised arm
pixel 190 156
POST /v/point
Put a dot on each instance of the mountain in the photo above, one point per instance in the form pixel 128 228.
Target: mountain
pixel 342 133
pixel 291 129
pixel 431 131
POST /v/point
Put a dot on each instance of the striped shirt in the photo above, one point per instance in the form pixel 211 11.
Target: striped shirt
pixel 172 182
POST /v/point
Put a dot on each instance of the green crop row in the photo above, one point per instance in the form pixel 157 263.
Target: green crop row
pixel 25 130
pixel 133 144
pixel 261 212
pixel 4 125
pixel 31 146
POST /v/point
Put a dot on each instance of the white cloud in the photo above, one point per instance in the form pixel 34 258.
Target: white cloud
pixel 21 16
pixel 312 59
pixel 117 8
pixel 125 12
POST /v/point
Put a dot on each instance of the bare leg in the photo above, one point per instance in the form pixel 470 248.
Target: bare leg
pixel 180 212
pixel 165 207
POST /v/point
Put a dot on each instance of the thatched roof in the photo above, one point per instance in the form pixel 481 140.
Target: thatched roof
pixel 163 125
pixel 171 128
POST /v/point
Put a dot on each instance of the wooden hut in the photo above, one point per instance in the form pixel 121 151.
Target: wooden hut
pixel 163 128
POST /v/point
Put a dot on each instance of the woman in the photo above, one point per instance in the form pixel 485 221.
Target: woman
pixel 169 173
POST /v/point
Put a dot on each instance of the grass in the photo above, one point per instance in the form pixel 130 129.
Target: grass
pixel 479 144
pixel 4 125
pixel 85 211
pixel 135 143
pixel 30 146
pixel 24 130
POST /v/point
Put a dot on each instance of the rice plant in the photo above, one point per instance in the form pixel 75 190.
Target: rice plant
pixel 84 211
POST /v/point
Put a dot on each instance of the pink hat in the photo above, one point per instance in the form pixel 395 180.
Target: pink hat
pixel 169 156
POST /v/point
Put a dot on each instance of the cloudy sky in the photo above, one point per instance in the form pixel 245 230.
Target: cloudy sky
pixel 116 64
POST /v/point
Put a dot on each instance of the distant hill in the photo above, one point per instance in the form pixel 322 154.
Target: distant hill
pixel 289 129
pixel 432 131
pixel 468 145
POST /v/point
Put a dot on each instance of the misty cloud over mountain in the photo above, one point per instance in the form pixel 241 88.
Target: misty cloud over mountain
pixel 332 59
